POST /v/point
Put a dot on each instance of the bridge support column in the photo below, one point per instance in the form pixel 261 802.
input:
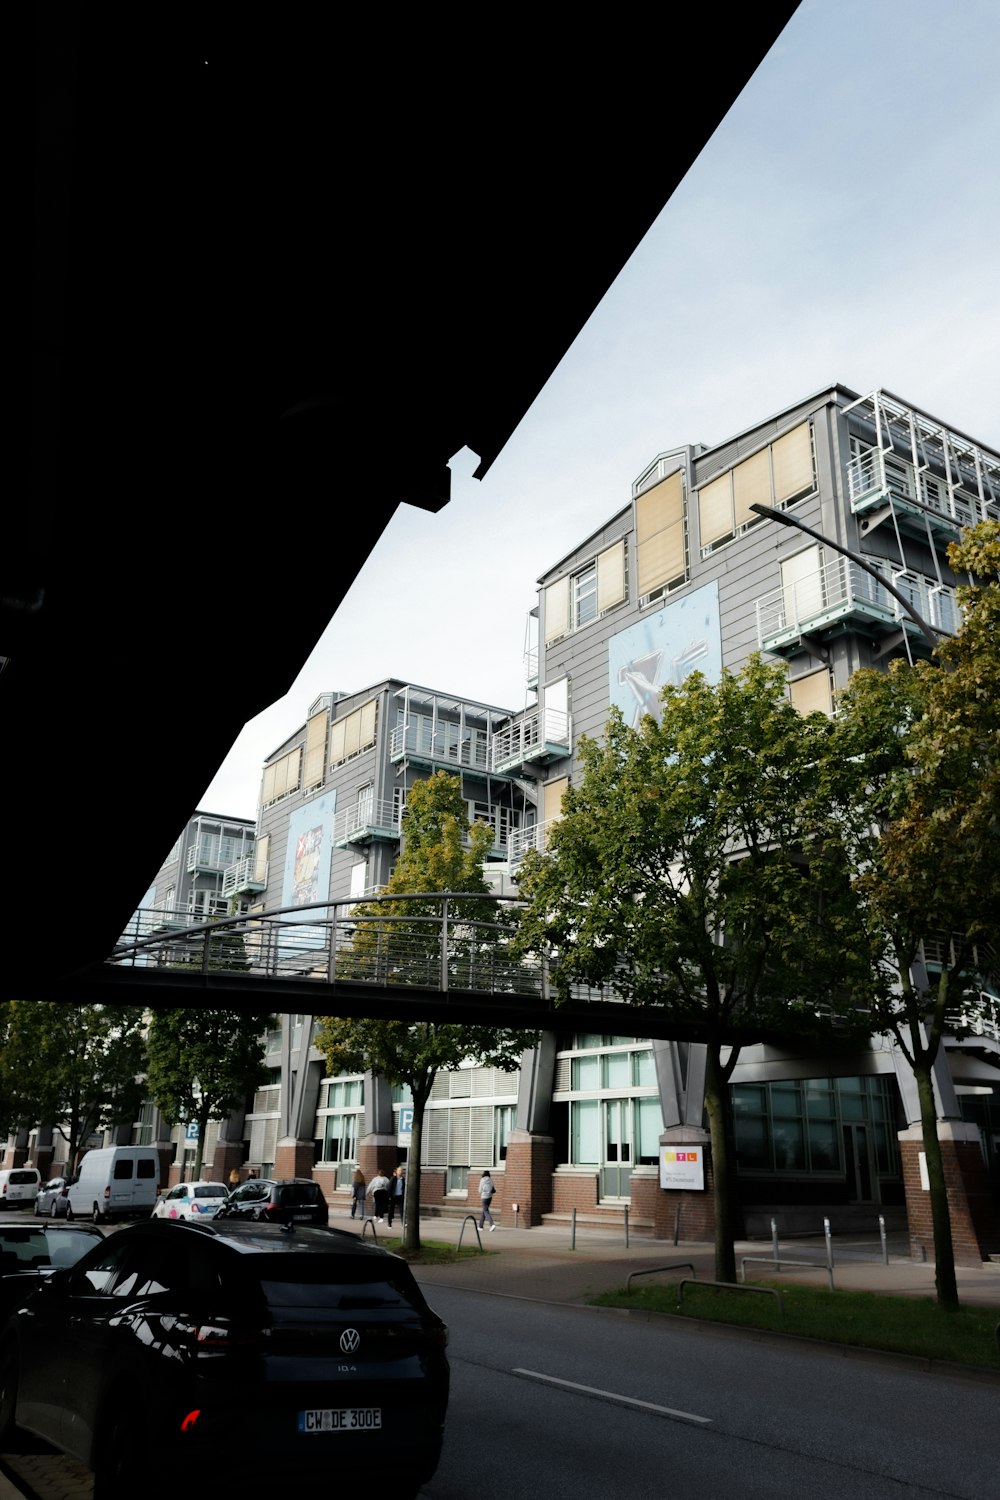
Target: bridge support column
pixel 294 1158
pixel 975 1218
pixel 527 1178
pixel 689 1212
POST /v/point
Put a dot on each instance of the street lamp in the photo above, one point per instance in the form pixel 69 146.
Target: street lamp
pixel 929 632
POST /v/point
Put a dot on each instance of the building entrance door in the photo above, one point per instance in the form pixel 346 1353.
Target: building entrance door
pixel 859 1159
pixel 617 1166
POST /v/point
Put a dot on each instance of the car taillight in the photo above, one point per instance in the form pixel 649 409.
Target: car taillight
pixel 219 1336
pixel 64 1192
pixel 4 1188
pixel 107 1191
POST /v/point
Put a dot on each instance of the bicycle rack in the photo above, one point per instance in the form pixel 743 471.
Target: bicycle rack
pixel 469 1219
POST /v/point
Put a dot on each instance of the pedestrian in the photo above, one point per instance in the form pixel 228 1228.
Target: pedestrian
pixel 234 1180
pixel 486 1190
pixel 358 1188
pixel 379 1190
pixel 397 1188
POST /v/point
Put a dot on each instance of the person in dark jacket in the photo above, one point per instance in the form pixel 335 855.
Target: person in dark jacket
pixel 379 1190
pixel 397 1189
pixel 358 1189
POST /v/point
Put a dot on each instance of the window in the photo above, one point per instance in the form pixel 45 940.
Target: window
pixel 315 758
pixel 365 806
pixel 582 597
pixel 812 694
pixel 775 476
pixel 354 733
pixel 282 777
pixel 661 541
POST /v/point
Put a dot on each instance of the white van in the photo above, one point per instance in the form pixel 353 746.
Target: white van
pixel 19 1186
pixel 115 1182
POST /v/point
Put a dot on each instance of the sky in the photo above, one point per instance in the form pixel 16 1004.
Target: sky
pixel 841 226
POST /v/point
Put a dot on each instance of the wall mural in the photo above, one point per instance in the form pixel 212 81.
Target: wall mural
pixel 683 637
pixel 307 854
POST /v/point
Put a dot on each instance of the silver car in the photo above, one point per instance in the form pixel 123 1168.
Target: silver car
pixel 52 1200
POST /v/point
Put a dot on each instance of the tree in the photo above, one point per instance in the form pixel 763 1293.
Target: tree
pixel 926 856
pixel 441 852
pixel 697 866
pixel 76 1067
pixel 204 1063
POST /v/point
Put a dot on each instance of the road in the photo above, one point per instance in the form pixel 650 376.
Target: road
pixel 579 1404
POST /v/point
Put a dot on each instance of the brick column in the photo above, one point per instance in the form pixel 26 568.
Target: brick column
pixel 293 1158
pixel 696 1207
pixel 527 1177
pixel 975 1217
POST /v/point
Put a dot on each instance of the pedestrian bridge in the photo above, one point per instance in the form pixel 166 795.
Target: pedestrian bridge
pixel 440 957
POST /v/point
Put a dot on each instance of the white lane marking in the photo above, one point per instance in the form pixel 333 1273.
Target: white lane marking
pixel 590 1390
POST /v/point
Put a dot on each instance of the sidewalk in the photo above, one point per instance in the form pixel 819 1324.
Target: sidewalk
pixel 542 1264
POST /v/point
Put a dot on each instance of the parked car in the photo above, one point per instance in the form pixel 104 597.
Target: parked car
pixel 31 1251
pixel 242 1352
pixel 19 1186
pixel 53 1198
pixel 287 1200
pixel 191 1200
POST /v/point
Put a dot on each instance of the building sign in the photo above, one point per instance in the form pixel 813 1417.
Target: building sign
pixel 682 1167
pixel 405 1122
pixel 191 1131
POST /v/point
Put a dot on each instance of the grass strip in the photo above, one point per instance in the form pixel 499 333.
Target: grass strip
pixel 864 1320
pixel 434 1252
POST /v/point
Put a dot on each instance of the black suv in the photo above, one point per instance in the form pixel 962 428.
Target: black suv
pixel 248 1352
pixel 286 1200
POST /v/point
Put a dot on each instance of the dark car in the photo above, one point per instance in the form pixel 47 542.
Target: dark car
pixel 31 1251
pixel 286 1200
pixel 250 1352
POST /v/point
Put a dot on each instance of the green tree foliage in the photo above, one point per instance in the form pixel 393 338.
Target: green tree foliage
pixel 76 1067
pixel 926 856
pixel 401 943
pixel 204 1063
pixel 697 866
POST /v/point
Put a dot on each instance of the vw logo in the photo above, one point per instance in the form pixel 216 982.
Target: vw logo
pixel 349 1340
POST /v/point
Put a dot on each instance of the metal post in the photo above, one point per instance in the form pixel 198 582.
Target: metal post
pixel 774 1240
pixel 444 946
pixel 677 1222
pixel 829 1243
pixel 572 1230
pixel 626 1226
pixel 881 1235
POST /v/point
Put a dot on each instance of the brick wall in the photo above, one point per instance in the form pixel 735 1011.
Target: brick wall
pixel 975 1221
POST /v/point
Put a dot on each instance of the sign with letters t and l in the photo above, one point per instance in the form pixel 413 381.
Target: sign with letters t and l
pixel 682 1167
pixel 405 1124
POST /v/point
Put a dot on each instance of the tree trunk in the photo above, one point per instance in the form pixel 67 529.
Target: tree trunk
pixel 199 1150
pixel 720 1126
pixel 944 1249
pixel 411 1209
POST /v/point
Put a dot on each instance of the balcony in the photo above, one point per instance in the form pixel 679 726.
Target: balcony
pixel 841 597
pixel 536 737
pixel 523 839
pixel 882 485
pixel 243 878
pixel 366 822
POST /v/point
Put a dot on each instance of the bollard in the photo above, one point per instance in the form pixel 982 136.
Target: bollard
pixel 572 1229
pixel 774 1240
pixel 881 1233
pixel 829 1243
pixel 626 1225
pixel 677 1223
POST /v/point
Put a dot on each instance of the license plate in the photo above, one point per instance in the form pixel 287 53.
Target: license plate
pixel 342 1419
pixel 302 1217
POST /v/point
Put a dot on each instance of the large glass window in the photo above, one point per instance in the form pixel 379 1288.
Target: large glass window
pixel 798 1125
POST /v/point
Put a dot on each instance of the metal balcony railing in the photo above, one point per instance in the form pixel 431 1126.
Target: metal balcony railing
pixel 876 473
pixel 440 744
pixel 243 876
pixel 367 819
pixel 538 735
pixel 839 589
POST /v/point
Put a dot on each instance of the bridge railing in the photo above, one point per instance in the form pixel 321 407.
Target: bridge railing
pixel 443 941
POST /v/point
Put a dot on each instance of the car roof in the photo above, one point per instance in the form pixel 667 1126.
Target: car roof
pixel 266 1239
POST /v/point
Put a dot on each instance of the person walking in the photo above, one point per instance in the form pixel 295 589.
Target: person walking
pixel 379 1190
pixel 397 1188
pixel 487 1188
pixel 358 1190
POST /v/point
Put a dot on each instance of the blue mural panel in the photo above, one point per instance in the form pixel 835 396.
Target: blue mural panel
pixel 683 637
